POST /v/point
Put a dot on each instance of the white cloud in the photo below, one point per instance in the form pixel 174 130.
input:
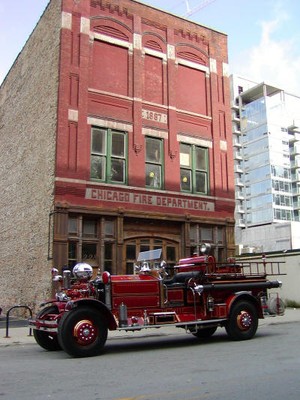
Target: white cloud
pixel 276 62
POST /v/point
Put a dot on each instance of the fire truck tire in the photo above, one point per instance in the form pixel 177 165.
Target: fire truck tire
pixel 82 332
pixel 243 321
pixel 204 333
pixel 47 340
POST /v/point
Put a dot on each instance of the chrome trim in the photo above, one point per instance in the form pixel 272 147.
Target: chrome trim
pixel 107 289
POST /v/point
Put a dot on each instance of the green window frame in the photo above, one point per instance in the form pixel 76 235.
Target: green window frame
pixel 194 169
pixel 109 155
pixel 154 163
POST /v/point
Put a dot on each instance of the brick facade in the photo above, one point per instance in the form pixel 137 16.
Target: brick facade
pixel 129 70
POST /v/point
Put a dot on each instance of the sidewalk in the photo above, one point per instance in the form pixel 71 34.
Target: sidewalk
pixel 21 335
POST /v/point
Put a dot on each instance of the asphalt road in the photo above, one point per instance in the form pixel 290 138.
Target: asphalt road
pixel 160 367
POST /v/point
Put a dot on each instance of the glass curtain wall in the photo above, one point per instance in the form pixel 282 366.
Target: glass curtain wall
pixel 265 144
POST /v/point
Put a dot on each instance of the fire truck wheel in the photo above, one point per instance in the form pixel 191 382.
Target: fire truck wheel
pixel 243 321
pixel 82 332
pixel 204 333
pixel 44 339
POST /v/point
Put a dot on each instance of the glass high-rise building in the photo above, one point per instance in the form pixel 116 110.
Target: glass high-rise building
pixel 266 127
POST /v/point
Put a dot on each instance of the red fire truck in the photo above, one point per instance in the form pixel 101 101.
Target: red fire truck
pixel 198 295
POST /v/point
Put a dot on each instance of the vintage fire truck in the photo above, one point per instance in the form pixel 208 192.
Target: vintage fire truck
pixel 198 295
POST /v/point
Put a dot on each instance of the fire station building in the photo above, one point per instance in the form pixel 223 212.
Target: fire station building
pixel 116 138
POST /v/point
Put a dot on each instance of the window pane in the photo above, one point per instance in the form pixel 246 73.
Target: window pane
pixel 72 254
pixel 72 225
pixel 72 251
pixel 89 251
pixel 117 170
pixel 201 182
pixel 194 234
pixel 220 235
pixel 99 141
pixel 108 257
pixel 220 254
pixel 108 155
pixel 89 228
pixel 144 247
pixel 108 252
pixel 206 234
pixel 129 268
pixel 185 179
pixel 153 150
pixel 200 158
pixel 109 228
pixel 130 252
pixel 185 155
pixel 118 144
pixel 171 253
pixel 153 175
pixel 97 167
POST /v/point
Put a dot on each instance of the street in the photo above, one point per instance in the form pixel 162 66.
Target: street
pixel 160 367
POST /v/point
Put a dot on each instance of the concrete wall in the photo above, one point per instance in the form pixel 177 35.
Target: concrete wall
pixel 290 266
pixel 272 237
pixel 28 109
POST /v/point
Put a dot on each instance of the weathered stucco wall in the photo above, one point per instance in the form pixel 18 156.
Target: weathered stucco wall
pixel 28 117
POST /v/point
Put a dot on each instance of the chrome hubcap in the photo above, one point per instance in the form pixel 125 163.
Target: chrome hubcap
pixel 244 320
pixel 85 332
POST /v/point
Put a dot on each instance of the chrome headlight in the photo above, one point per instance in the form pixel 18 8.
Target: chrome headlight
pixel 83 271
pixel 205 248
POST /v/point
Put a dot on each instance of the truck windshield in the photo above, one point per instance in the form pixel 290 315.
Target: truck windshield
pixel 149 255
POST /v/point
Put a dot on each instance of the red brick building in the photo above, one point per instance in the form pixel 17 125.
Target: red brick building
pixel 142 146
pixel 144 155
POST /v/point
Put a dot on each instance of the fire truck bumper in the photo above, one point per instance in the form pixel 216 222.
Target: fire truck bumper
pixel 43 325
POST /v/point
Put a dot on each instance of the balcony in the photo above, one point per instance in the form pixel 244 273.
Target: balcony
pixel 239 195
pixel 240 222
pixel 235 118
pixel 296 205
pixel 237 155
pixel 296 190
pixel 295 164
pixel 239 182
pixel 236 131
pixel 237 144
pixel 295 150
pixel 239 210
pixel 234 106
pixel 238 169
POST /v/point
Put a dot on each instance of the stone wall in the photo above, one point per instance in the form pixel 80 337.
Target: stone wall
pixel 28 119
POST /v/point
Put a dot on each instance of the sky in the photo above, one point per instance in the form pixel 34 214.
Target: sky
pixel 263 35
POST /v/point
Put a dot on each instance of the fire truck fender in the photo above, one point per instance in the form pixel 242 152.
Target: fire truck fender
pixel 99 306
pixel 244 295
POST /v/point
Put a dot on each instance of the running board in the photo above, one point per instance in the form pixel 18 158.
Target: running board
pixel 185 325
